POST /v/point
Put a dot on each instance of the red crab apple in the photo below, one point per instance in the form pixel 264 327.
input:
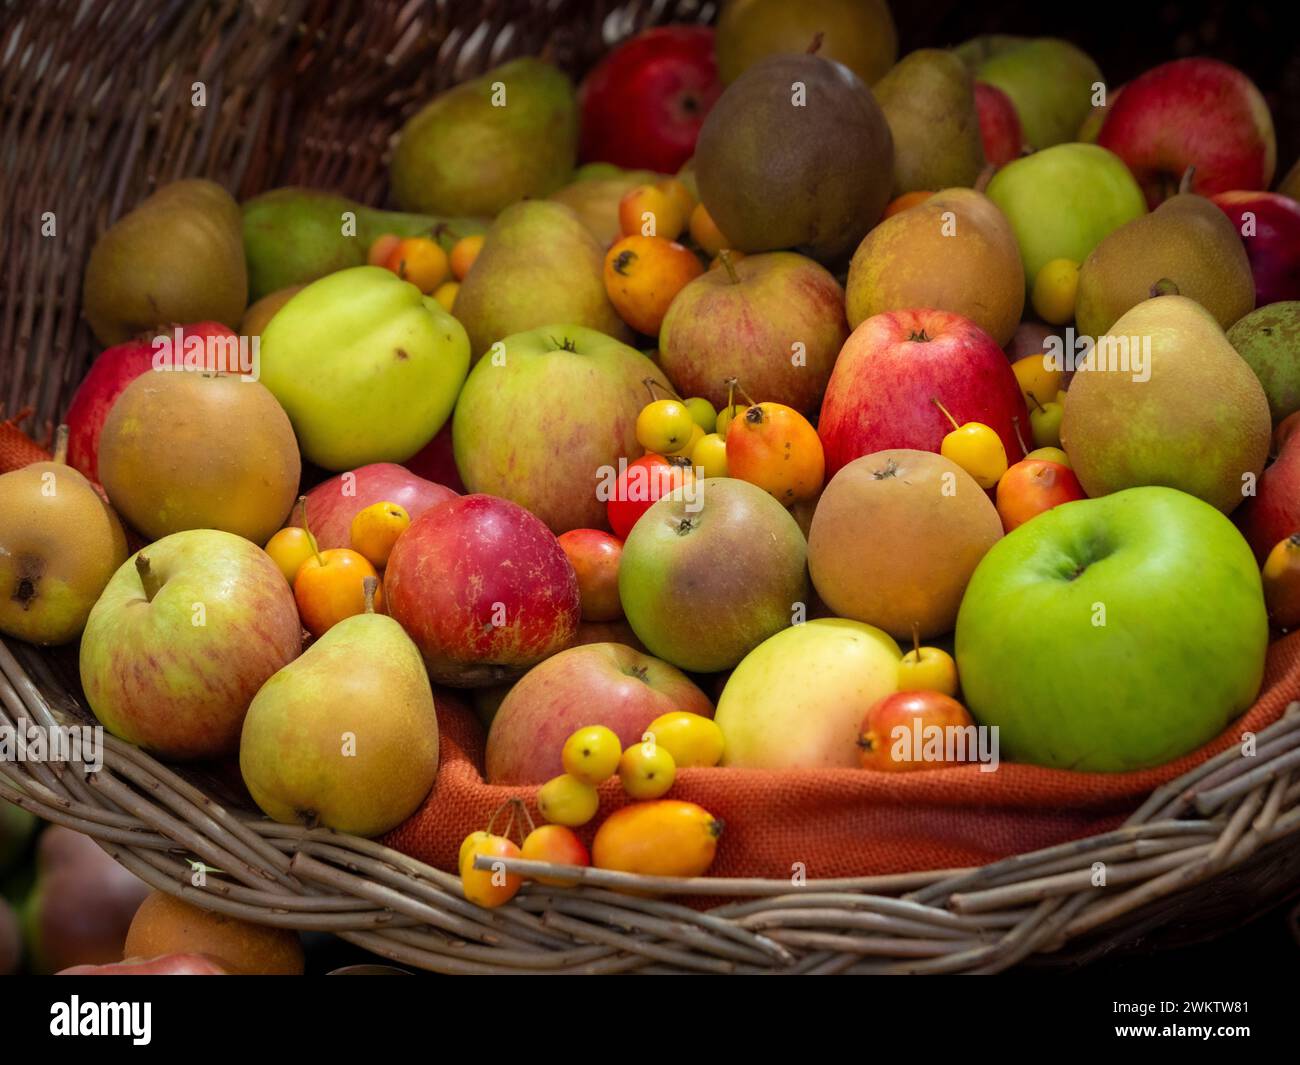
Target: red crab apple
pixel 111 372
pixel 595 684
pixel 643 104
pixel 999 124
pixel 332 504
pixel 1192 113
pixel 595 556
pixel 1269 225
pixel 483 588
pixel 911 730
pixel 893 367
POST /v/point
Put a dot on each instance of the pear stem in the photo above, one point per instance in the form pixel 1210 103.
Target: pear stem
pixel 935 401
pixel 1185 184
pixel 816 44
pixel 729 266
pixel 61 445
pixel 370 585
pixel 985 176
pixel 147 576
pixel 1164 287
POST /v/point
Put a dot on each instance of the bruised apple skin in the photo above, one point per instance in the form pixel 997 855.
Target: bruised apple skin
pixel 484 589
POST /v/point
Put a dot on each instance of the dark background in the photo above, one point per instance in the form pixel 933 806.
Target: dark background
pixel 1262 39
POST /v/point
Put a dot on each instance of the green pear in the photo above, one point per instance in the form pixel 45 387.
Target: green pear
pixel 1062 201
pixel 1185 246
pixel 538 265
pixel 982 277
pixel 1165 400
pixel 1269 340
pixel 178 257
pixel 366 367
pixel 294 235
pixel 489 142
pixel 929 102
pixel 1051 82
pixel 346 735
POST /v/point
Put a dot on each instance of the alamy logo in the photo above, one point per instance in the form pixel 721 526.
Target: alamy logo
pixel 208 354
pixel 134 1019
pixel 1114 354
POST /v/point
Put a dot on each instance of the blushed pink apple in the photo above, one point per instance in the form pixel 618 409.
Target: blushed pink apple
pixel 483 588
pixel 184 635
pixel 595 684
pixel 1198 113
pixel 1269 225
pixel 332 504
pixel 1273 513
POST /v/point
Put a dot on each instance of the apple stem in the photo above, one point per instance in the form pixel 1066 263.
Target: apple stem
pixel 725 256
pixel 816 44
pixel 731 383
pixel 1034 399
pixel 369 586
pixel 743 394
pixel 916 641
pixel 61 445
pixel 651 384
pixel 985 176
pixel 525 818
pixel 935 401
pixel 1164 287
pixel 147 576
pixel 1185 184
pixel 1020 439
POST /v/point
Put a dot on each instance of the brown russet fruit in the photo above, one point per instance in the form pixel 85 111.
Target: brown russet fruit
pixel 167 925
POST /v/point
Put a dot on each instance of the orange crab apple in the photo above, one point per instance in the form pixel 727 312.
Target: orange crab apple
pixel 1032 486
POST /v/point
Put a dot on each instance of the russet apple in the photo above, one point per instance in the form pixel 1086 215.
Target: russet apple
pixel 594 684
pixel 1193 112
pixel 892 368
pixel 332 504
pixel 111 372
pixel 184 635
pixel 797 700
pixel 483 588
pixel 1113 634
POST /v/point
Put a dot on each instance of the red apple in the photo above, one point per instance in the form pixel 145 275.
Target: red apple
pixel 594 555
pixel 163 965
pixel 639 484
pixel 1192 112
pixel 595 684
pixel 111 372
pixel 483 588
pixel 892 368
pixel 1032 486
pixel 436 462
pixel 999 124
pixel 1269 225
pixel 899 729
pixel 1285 428
pixel 332 504
pixel 643 104
pixel 1273 513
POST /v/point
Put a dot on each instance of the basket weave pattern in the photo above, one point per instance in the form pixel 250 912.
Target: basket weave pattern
pixel 95 114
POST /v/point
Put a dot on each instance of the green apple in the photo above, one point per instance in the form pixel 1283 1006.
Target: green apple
pixel 366 367
pixel 1051 83
pixel 797 701
pixel 1113 634
pixel 710 571
pixel 185 634
pixel 1062 201
pixel 541 415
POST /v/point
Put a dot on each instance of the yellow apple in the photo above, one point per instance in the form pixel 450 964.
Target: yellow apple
pixel 797 700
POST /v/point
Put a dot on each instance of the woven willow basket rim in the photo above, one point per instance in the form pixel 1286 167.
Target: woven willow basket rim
pixel 1219 817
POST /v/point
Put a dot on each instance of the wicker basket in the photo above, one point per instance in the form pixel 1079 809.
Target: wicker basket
pixel 95 115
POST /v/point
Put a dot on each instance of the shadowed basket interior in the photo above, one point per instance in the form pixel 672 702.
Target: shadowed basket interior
pixel 95 114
